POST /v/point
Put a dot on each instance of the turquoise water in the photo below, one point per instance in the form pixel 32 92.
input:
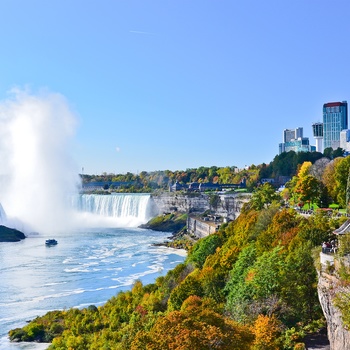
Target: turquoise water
pixel 86 267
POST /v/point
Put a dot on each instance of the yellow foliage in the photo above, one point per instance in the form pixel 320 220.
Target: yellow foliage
pixel 266 330
pixel 304 169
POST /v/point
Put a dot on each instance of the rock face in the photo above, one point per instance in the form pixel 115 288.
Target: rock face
pixel 328 287
pixel 10 235
pixel 227 206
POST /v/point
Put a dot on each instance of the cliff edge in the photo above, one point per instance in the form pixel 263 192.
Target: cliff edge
pixel 329 287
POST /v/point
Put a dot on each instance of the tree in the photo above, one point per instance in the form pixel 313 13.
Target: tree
pixel 198 327
pixel 214 201
pixel 328 178
pixel 190 286
pixel 318 168
pixel 202 249
pixel 308 189
pixel 341 175
pixel 285 164
pixel 301 290
pixel 263 196
pixel 304 169
pixel 266 330
pixel 330 153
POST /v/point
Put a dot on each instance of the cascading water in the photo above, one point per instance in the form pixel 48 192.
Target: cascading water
pixel 115 210
pixel 3 217
pixel 37 174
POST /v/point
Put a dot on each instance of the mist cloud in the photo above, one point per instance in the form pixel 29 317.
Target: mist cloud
pixel 37 172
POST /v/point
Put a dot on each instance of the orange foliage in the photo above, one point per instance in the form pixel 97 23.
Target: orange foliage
pixel 250 275
pixel 266 330
pixel 286 237
pixel 196 327
pixel 243 226
pixel 283 229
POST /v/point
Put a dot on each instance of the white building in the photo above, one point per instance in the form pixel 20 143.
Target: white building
pixel 345 140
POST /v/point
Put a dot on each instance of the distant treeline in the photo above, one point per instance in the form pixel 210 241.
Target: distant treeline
pixel 285 164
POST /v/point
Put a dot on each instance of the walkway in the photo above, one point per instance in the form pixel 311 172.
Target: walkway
pixel 317 341
pixel 345 228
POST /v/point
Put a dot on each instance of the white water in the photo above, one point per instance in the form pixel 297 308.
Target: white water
pixel 116 210
pixel 86 267
pixel 100 251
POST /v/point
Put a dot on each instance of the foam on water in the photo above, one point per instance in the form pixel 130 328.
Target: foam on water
pixel 76 272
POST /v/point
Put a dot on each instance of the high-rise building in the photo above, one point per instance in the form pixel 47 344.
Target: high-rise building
pixel 293 140
pixel 335 119
pixel 292 134
pixel 317 129
pixel 345 140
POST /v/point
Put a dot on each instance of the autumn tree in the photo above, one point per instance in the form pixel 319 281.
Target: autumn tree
pixel 263 196
pixel 341 179
pixel 196 326
pixel 266 330
pixel 328 178
pixel 308 189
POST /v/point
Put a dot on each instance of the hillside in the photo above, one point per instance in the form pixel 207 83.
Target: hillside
pixel 252 285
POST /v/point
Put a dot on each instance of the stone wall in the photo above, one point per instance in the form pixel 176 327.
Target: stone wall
pixel 201 228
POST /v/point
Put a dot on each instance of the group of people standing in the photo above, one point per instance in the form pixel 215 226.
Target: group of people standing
pixel 329 247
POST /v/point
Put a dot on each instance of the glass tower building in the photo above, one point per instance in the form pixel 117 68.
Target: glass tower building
pixel 293 140
pixel 335 119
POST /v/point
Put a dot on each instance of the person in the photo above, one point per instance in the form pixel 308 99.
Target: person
pixel 333 245
pixel 324 247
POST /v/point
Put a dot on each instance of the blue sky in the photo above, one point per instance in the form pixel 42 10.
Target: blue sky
pixel 161 84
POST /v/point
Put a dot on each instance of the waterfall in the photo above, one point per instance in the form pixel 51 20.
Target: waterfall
pixel 115 209
pixel 3 217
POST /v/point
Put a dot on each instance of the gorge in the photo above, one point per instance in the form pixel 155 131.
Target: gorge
pixel 127 209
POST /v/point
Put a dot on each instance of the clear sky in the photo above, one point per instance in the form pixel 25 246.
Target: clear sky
pixel 179 84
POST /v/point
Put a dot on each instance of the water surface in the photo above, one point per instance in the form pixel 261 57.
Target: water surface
pixel 86 267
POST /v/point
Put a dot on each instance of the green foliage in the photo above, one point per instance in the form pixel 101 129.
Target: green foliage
pixel 342 301
pixel 308 189
pixel 344 245
pixel 316 229
pixel 286 163
pixel 263 196
pixel 252 285
pixel 300 287
pixel 202 249
pixel 172 222
pixel 214 201
pixel 341 179
pixel 281 231
pixel 189 287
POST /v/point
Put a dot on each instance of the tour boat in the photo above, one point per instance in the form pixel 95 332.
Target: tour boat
pixel 51 242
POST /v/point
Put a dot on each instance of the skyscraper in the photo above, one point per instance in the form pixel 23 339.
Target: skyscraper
pixel 293 140
pixel 317 129
pixel 292 134
pixel 335 119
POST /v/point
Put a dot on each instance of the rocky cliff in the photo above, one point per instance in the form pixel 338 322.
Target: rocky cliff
pixel 328 287
pixel 227 206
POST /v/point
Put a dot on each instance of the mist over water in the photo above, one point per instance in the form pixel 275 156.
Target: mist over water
pixel 98 253
pixel 37 173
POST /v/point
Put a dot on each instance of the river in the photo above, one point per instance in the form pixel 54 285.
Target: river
pixel 87 266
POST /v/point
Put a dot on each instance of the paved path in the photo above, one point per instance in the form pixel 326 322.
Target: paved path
pixel 318 341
